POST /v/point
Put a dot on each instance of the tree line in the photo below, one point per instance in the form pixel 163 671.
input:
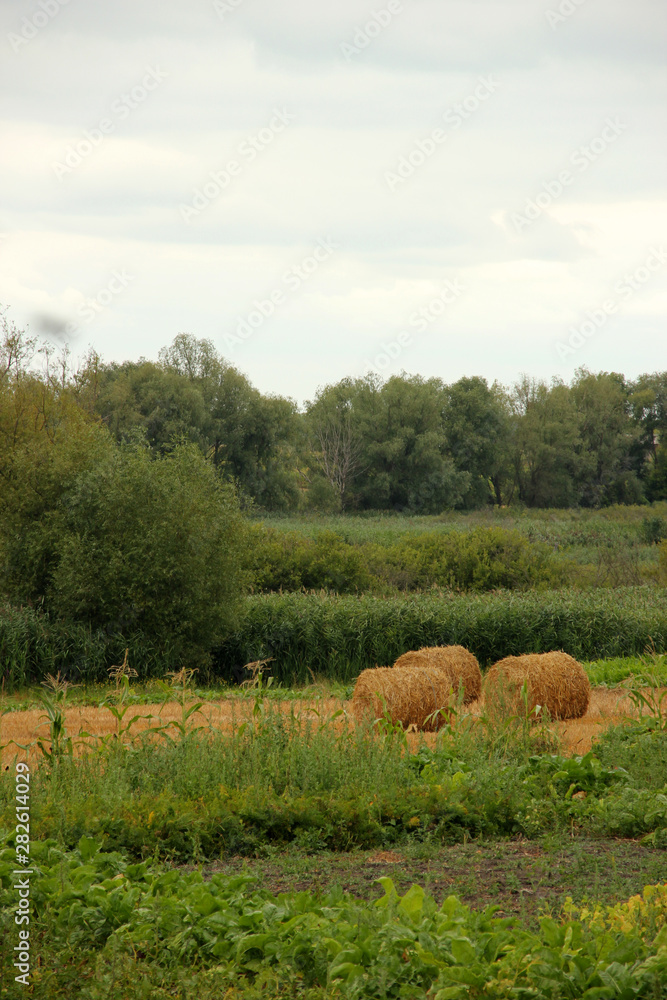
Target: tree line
pixel 408 443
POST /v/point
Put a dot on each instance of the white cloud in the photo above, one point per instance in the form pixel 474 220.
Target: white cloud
pixel 325 174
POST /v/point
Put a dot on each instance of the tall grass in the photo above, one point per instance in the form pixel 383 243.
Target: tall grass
pixel 564 528
pixel 337 637
pixel 33 645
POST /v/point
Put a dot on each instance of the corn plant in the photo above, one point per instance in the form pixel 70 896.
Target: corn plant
pixel 119 702
pixel 180 690
pixel 53 701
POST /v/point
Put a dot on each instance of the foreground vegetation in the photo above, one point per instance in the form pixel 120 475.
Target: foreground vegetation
pixel 283 780
pixel 112 915
pixel 112 928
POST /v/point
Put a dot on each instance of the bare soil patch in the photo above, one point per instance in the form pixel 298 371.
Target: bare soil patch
pixel 88 722
pixel 523 878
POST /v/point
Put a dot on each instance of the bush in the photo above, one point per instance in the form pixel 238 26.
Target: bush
pixel 150 546
pixel 653 530
pixel 477 560
pixel 288 561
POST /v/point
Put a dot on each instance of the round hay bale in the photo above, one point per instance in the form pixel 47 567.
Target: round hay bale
pixel 459 663
pixel 554 680
pixel 409 696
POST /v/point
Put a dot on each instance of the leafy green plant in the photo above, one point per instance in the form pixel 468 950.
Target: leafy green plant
pixel 180 689
pixel 53 702
pixel 114 912
pixel 571 775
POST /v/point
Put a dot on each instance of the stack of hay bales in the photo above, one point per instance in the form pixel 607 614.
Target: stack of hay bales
pixel 419 689
pixel 455 661
pixel 554 680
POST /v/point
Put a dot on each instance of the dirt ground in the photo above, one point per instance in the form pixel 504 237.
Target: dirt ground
pixel 25 727
pixel 522 877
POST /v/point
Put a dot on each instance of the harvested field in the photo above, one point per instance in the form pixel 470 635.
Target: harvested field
pixel 607 706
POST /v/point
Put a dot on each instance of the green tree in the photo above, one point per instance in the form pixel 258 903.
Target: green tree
pixel 162 404
pixel 546 443
pixel 46 440
pixel 608 436
pixel 249 437
pixel 153 545
pixel 334 455
pixel 648 404
pixel 392 434
pixel 476 423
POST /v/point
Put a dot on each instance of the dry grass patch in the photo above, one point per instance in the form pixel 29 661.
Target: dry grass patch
pixel 606 707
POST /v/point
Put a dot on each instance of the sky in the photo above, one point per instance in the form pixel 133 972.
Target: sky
pixel 440 187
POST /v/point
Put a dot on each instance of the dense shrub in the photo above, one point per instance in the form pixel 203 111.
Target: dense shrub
pixel 152 546
pixel 653 529
pixel 288 561
pixel 477 560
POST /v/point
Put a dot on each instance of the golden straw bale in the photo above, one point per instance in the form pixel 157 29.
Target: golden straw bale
pixel 460 665
pixel 409 696
pixel 554 680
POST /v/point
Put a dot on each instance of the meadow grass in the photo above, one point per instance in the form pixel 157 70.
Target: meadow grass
pixel 562 527
pixel 285 776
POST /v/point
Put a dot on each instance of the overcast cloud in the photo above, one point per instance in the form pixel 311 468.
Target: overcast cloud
pixel 445 188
